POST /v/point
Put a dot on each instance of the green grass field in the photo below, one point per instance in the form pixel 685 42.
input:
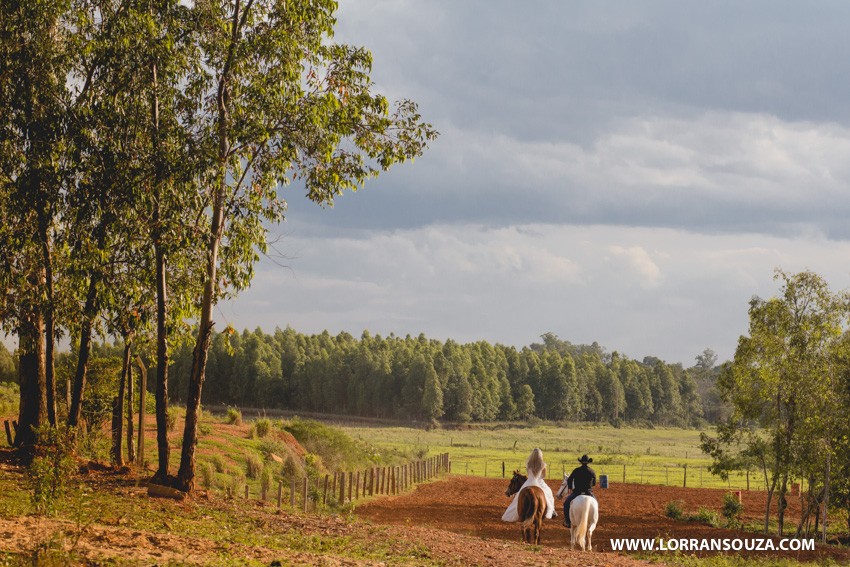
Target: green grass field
pixel 651 456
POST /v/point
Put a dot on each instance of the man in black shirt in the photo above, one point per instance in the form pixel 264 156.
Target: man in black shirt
pixel 581 481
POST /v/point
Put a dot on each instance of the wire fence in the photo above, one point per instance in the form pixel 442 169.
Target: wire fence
pixel 672 474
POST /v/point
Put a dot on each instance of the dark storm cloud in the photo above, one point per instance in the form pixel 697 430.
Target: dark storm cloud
pixel 506 82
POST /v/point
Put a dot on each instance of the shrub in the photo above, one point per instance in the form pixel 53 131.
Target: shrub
pixel 171 418
pixel 94 443
pixel 337 448
pixel 52 468
pixel 265 482
pixel 207 475
pixel 313 465
pixel 262 426
pixel 732 509
pixel 290 469
pixel 674 510
pixel 217 463
pixel 253 466
pixel 234 485
pixel 234 416
pixel 706 516
pixel 101 385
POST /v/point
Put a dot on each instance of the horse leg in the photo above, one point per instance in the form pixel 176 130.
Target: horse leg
pixel 572 539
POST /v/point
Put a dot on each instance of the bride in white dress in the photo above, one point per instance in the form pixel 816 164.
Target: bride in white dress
pixel 536 469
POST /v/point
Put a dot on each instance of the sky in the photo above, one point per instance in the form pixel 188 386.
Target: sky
pixel 630 173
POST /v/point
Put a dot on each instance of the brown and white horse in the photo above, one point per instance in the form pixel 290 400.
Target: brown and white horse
pixel 531 506
pixel 584 513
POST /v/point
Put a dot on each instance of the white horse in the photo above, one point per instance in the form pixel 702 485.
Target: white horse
pixel 584 513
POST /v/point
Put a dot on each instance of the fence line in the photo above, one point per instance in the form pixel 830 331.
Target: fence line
pixel 673 474
pixel 345 487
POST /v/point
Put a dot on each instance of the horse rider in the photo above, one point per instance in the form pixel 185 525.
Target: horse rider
pixel 581 481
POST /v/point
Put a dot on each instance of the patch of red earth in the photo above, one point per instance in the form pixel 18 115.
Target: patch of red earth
pixel 474 506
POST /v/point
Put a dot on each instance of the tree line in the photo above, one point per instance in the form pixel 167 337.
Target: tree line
pixel 144 145
pixel 422 379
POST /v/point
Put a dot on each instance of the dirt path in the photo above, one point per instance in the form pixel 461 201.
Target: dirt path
pixel 473 506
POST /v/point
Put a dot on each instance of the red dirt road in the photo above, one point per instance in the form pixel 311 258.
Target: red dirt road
pixel 473 506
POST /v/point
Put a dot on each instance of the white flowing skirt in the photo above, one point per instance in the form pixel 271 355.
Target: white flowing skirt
pixel 511 514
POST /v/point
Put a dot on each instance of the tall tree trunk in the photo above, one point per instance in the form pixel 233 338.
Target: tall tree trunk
pixel 826 483
pixel 186 474
pixel 782 504
pixel 118 416
pixel 163 448
pixel 32 412
pixel 131 448
pixel 49 318
pixel 143 390
pixel 79 384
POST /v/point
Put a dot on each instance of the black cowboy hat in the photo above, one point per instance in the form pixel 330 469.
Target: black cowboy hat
pixel 585 460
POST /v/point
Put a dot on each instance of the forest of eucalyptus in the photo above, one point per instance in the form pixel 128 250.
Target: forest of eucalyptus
pixel 142 147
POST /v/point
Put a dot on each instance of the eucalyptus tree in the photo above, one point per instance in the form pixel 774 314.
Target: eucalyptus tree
pixel 282 102
pixel 34 61
pixel 783 379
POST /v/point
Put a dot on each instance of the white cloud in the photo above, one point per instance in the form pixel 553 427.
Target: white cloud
pixel 670 293
pixel 641 262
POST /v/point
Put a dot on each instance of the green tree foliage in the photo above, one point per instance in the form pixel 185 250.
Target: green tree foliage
pixel 424 379
pixel 786 389
pixel 8 371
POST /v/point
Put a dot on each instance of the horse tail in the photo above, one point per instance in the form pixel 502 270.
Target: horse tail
pixel 581 529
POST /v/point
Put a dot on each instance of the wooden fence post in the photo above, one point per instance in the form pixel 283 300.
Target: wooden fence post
pixel 357 490
pixel 304 492
pixel 341 488
pixel 246 491
pixel 685 481
pixel 279 493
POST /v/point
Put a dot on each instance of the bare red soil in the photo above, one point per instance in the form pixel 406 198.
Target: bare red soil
pixel 473 506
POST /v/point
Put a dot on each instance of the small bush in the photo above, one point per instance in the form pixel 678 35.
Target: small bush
pixel 218 463
pixel 265 482
pixel 207 475
pixel 262 427
pixel 290 469
pixel 234 485
pixel 732 509
pixel 93 444
pixel 253 466
pixel 313 466
pixel 171 418
pixel 52 469
pixel 674 510
pixel 234 416
pixel 705 516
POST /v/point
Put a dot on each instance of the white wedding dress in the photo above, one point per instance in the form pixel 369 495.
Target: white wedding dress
pixel 511 514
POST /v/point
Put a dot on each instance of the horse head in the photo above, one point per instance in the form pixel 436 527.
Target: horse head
pixel 563 487
pixel 516 483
